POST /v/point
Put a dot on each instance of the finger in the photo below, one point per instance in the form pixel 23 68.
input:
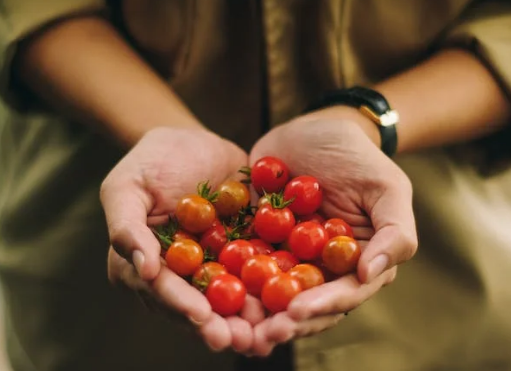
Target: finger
pixel 283 328
pixel 174 292
pixel 339 296
pixel 126 208
pixel 335 208
pixel 121 272
pixel 253 310
pixel 395 240
pixel 241 333
pixel 363 233
pixel 216 333
pixel 262 346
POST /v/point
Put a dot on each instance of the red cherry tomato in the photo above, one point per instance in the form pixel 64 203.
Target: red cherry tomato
pixel 234 255
pixel 284 259
pixel 226 294
pixel 256 271
pixel 214 239
pixel 341 255
pixel 184 257
pixel 278 291
pixel 307 239
pixel 306 194
pixel 269 174
pixel 308 275
pixel 261 247
pixel 311 218
pixel 205 273
pixel 232 196
pixel 337 227
pixel 273 225
pixel 195 214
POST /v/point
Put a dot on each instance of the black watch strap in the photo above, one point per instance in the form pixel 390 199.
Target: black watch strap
pixel 370 103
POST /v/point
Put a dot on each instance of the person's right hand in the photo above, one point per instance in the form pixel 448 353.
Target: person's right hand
pixel 143 189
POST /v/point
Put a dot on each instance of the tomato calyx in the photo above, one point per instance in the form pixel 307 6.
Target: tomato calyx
pixel 277 201
pixel 165 233
pixel 204 191
pixel 209 256
pixel 247 171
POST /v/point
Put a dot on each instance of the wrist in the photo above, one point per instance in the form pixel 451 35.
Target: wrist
pixel 350 114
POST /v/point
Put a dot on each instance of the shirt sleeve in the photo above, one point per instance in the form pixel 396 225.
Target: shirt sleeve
pixel 20 18
pixel 485 29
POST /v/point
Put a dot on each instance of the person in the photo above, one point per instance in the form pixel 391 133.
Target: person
pixel 139 100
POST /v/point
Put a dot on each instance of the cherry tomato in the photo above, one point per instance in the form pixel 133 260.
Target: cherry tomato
pixel 261 247
pixel 226 294
pixel 273 225
pixel 341 254
pixel 184 257
pixel 214 239
pixel 195 214
pixel 307 239
pixel 306 194
pixel 284 259
pixel 256 271
pixel 269 174
pixel 337 227
pixel 183 235
pixel 308 275
pixel 232 196
pixel 263 201
pixel 205 273
pixel 234 255
pixel 278 291
pixel 311 218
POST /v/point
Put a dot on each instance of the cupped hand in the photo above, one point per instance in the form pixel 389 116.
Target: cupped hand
pixel 362 186
pixel 142 190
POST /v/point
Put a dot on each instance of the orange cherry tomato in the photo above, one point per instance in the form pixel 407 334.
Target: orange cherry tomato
pixel 341 255
pixel 195 214
pixel 308 275
pixel 278 292
pixel 184 257
pixel 205 273
pixel 232 196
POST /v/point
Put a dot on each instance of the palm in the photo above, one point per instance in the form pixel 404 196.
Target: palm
pixel 361 186
pixel 143 189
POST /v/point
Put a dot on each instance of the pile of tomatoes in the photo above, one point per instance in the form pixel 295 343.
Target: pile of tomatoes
pixel 228 248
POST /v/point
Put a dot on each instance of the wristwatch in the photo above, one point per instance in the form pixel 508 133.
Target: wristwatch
pixel 371 104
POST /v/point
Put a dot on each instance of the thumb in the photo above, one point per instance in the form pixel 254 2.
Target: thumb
pixel 126 207
pixel 395 239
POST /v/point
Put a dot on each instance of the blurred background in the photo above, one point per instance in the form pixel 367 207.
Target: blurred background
pixel 4 363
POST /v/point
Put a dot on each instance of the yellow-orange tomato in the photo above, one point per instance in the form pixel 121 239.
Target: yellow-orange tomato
pixel 232 196
pixel 341 254
pixel 195 214
pixel 308 275
pixel 205 273
pixel 184 257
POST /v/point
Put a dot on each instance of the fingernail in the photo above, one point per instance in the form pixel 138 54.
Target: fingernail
pixel 138 260
pixel 377 266
pixel 215 349
pixel 195 322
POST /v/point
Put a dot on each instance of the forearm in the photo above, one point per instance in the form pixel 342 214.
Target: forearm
pixel 83 68
pixel 449 98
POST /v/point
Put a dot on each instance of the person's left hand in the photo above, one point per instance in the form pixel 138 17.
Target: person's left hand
pixel 362 186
